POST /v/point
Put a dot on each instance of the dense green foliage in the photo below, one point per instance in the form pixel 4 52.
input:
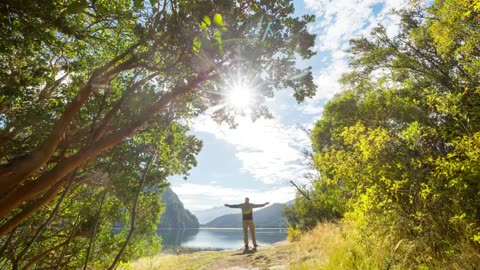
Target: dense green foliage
pixel 398 151
pixel 175 215
pixel 95 101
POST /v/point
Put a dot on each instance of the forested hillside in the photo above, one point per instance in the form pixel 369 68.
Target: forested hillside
pixel 398 150
pixel 175 215
pixel 207 215
pixel 268 217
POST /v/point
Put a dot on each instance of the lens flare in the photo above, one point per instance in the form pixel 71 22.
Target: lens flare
pixel 239 96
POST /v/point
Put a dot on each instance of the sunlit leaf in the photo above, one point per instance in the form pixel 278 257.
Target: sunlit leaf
pixel 76 7
pixel 207 20
pixel 197 44
pixel 218 19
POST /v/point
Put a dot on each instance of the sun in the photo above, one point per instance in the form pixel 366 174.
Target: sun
pixel 239 96
pixel 240 92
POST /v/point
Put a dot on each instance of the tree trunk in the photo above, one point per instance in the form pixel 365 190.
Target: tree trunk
pixel 30 190
pixel 134 215
pixel 15 173
pixel 92 236
pixel 45 224
pixel 30 209
pixel 40 256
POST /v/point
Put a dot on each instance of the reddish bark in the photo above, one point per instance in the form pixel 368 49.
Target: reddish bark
pixel 18 171
pixel 30 190
pixel 15 173
pixel 31 208
pixel 102 129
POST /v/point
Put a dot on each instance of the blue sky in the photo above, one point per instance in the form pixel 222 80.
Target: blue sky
pixel 258 159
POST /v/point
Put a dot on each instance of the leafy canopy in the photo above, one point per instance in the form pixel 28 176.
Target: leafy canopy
pixel 397 151
pixel 95 101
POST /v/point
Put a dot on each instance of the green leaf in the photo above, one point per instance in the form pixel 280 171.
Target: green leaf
pixel 197 44
pixel 76 7
pixel 218 19
pixel 153 2
pixel 137 4
pixel 207 20
pixel 476 238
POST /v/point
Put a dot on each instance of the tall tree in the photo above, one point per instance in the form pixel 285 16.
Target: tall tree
pixel 90 90
pixel 93 62
pixel 396 150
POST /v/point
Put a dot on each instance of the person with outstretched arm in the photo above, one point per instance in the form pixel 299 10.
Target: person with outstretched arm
pixel 247 217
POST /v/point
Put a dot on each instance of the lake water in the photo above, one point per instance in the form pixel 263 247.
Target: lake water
pixel 217 238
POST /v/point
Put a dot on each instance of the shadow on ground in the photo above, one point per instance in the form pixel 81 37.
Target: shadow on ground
pixel 245 251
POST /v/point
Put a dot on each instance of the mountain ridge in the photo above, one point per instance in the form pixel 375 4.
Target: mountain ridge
pixel 268 217
pixel 204 216
pixel 175 215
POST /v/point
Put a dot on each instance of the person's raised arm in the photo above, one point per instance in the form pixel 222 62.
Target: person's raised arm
pixel 259 205
pixel 233 205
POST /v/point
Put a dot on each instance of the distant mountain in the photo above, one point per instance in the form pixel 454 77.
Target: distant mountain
pixel 176 216
pixel 207 215
pixel 268 217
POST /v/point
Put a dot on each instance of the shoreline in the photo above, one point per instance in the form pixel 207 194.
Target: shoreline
pixel 180 250
pixel 221 228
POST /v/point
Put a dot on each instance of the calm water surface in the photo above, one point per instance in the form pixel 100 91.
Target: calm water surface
pixel 217 238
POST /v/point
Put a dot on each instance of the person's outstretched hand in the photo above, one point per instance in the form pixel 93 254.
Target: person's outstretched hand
pixel 267 203
pixel 225 205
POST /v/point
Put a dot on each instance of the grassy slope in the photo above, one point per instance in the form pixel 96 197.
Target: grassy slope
pixel 328 246
pixel 307 253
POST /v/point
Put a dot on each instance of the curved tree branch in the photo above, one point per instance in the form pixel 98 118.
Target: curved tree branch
pixel 30 190
pixel 134 214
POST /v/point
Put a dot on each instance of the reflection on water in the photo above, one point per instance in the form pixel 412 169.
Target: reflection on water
pixel 217 238
pixel 176 237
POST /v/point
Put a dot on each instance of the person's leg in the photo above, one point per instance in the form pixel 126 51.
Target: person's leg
pixel 252 232
pixel 245 232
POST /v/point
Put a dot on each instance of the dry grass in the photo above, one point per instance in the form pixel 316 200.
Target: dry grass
pixel 193 261
pixel 154 262
pixel 328 246
pixel 331 246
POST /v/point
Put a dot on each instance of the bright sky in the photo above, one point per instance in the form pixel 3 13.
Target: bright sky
pixel 258 159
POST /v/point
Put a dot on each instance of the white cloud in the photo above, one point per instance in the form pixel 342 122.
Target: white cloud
pixel 197 197
pixel 338 21
pixel 327 81
pixel 268 150
pixel 271 150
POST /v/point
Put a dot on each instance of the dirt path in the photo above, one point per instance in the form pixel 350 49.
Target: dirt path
pixel 272 257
